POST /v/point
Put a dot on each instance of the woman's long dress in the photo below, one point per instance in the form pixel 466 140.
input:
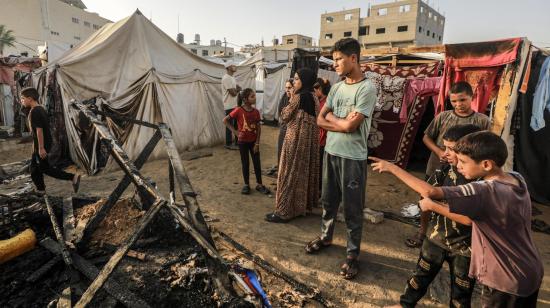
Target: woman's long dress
pixel 298 176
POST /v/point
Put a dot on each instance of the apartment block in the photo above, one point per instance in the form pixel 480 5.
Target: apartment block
pixel 59 22
pixel 394 24
pixel 292 41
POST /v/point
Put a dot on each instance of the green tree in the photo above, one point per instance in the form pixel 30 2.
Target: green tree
pixel 6 38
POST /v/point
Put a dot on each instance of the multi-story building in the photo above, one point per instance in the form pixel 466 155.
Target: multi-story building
pixel 215 49
pixel 59 22
pixel 292 41
pixel 396 24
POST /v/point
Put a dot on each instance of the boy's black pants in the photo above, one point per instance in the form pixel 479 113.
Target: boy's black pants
pixel 228 133
pixel 40 166
pixel 491 298
pixel 245 148
pixel 429 264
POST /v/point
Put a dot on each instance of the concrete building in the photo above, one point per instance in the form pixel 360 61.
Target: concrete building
pixel 59 22
pixel 292 41
pixel 215 49
pixel 395 24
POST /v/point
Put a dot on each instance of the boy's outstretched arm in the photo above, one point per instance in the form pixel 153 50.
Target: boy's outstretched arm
pixel 428 204
pixel 423 188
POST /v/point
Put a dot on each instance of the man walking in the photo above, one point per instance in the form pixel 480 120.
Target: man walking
pixel 230 92
pixel 42 142
pixel 347 117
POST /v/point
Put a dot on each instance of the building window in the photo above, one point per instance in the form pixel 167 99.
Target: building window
pixel 205 52
pixel 430 14
pixel 402 28
pixel 347 34
pixel 363 30
pixel 404 8
pixel 86 24
pixel 75 20
pixel 428 33
pixel 435 17
pixel 54 33
pixel 290 41
pixel 96 27
pixel 194 51
pixel 348 16
pixel 421 9
pixel 382 12
pixel 440 38
pixel 380 30
pixel 329 19
pixel 77 38
pixel 433 35
pixel 419 29
pixel 328 36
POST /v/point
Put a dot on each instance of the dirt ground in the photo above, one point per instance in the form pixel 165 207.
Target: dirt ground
pixel 385 261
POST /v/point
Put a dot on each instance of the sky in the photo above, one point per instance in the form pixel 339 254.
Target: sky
pixel 249 21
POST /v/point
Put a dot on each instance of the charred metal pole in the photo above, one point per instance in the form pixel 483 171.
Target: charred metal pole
pixel 58 235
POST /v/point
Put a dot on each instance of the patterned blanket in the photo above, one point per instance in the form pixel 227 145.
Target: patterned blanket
pixel 389 139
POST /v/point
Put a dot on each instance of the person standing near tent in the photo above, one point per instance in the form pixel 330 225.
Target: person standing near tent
pixel 461 95
pixel 347 116
pixel 42 143
pixel 321 88
pixel 248 119
pixel 297 187
pixel 230 92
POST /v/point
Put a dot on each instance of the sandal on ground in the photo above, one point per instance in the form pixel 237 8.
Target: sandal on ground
pixel 272 217
pixel 264 190
pixel 316 245
pixel 245 190
pixel 415 241
pixel 350 269
pixel 76 185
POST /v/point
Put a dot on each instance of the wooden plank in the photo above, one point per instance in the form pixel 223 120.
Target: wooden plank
pixel 68 220
pixel 59 236
pixel 102 277
pixel 44 269
pixel 112 287
pixel 65 299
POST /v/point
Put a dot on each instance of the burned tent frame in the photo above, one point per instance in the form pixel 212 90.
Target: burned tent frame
pixel 187 214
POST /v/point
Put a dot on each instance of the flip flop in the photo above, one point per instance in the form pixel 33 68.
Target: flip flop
pixel 350 269
pixel 264 190
pixel 316 245
pixel 245 190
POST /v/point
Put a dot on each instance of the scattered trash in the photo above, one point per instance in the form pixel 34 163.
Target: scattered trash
pixel 410 210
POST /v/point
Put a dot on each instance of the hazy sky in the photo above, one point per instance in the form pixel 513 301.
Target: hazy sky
pixel 248 21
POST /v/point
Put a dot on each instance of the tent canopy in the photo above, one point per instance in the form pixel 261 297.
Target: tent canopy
pixel 138 71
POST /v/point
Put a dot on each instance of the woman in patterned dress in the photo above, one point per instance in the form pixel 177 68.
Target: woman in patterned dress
pixel 298 177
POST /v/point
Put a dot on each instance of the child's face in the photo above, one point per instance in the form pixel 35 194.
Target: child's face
pixel 251 99
pixel 25 101
pixel 462 102
pixel 450 154
pixel 471 169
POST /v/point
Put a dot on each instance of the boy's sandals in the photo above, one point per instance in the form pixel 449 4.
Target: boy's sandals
pixel 350 269
pixel 416 240
pixel 264 190
pixel 316 245
pixel 245 190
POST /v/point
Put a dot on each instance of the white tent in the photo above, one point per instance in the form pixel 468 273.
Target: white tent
pixel 140 72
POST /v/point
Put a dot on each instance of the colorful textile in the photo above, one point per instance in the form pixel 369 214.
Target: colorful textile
pixel 247 122
pixel 541 102
pixel 481 65
pixel 418 87
pixel 390 138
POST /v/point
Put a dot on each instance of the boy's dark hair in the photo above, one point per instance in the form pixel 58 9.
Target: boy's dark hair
pixel 483 145
pixel 323 84
pixel 244 95
pixel 291 80
pixel 30 92
pixel 348 46
pixel 456 132
pixel 462 87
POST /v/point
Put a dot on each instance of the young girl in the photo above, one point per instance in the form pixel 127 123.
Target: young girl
pixel 249 130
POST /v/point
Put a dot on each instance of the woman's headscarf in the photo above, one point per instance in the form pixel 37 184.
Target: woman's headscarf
pixel 307 101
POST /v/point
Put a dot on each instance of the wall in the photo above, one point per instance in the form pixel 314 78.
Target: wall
pixel 37 21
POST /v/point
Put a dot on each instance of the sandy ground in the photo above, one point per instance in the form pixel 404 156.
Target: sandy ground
pixel 386 262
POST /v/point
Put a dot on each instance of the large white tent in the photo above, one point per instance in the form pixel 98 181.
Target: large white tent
pixel 138 71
